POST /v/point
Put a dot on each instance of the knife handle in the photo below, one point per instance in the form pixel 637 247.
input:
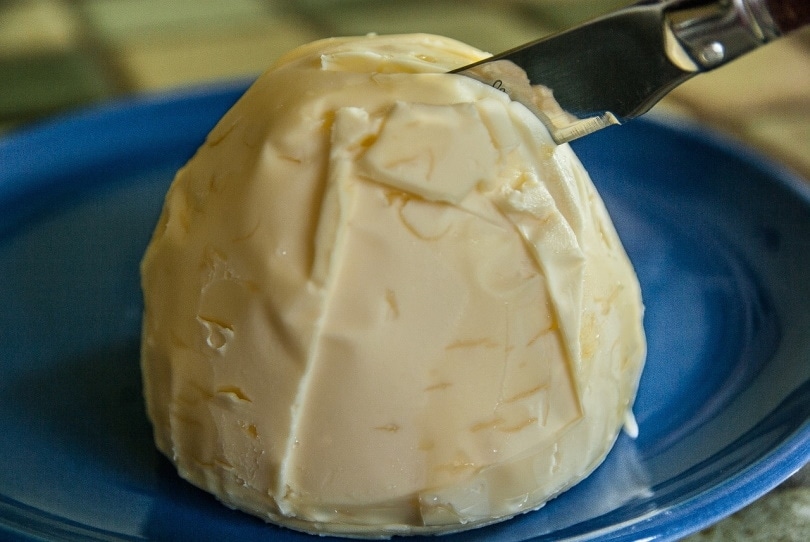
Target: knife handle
pixel 715 32
pixel 789 15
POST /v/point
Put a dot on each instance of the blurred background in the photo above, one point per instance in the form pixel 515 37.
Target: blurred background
pixel 58 56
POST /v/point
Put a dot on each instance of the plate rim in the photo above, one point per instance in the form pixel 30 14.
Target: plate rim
pixel 682 519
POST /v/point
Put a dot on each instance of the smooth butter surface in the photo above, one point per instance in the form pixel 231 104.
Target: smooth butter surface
pixel 381 300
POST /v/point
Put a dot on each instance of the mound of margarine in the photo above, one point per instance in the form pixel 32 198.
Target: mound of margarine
pixel 381 301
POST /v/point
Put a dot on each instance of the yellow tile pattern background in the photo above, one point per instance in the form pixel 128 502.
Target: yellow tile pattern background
pixel 59 55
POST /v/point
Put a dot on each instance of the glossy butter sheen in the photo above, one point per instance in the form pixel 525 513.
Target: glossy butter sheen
pixel 380 300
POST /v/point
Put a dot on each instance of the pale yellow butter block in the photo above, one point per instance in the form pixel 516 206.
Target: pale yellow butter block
pixel 380 300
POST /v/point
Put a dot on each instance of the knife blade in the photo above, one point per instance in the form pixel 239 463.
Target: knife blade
pixel 616 67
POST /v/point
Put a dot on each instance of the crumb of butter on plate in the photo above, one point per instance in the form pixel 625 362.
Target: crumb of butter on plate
pixel 380 300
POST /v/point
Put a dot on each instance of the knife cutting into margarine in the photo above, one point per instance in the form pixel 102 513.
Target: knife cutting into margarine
pixel 616 67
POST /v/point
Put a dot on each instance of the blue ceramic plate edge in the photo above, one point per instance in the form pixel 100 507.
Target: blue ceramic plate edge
pixel 706 509
pixel 683 519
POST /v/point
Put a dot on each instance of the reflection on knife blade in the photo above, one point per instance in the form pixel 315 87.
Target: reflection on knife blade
pixel 618 66
pixel 508 77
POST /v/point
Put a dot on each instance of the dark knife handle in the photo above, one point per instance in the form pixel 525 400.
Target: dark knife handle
pixel 789 15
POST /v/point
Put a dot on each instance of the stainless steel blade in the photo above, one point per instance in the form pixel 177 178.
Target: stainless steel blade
pixel 617 67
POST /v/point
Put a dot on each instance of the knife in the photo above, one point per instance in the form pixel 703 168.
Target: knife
pixel 616 67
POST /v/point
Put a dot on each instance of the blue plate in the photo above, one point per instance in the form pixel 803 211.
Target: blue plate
pixel 719 237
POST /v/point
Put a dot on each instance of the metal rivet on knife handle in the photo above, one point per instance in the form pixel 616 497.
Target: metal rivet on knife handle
pixel 618 66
